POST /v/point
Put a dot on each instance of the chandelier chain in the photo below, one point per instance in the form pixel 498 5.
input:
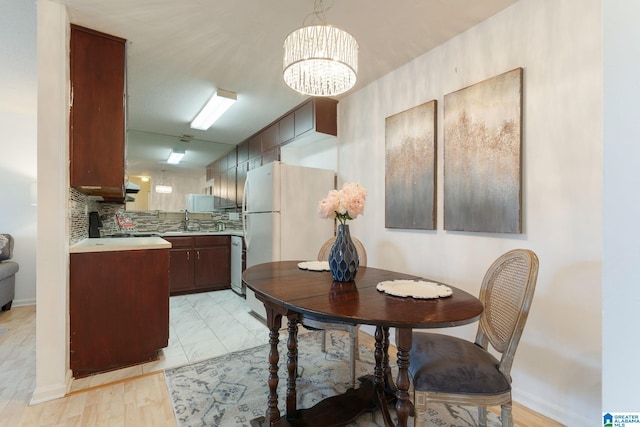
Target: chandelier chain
pixel 318 13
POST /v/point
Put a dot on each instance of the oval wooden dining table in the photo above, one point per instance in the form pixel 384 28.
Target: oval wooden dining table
pixel 294 293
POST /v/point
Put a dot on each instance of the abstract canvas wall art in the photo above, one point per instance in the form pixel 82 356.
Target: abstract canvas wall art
pixel 482 156
pixel 410 168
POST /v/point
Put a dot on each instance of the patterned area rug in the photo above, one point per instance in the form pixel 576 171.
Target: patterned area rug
pixel 231 390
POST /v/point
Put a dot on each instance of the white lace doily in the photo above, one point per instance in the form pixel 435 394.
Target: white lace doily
pixel 314 265
pixel 414 288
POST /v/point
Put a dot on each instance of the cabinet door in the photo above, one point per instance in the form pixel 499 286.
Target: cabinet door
pixel 212 262
pixel 287 131
pixel 232 159
pixel 181 264
pixel 243 152
pixel 212 268
pixel 223 189
pixel 270 137
pixel 118 308
pixel 255 146
pixel 241 177
pixel 304 119
pixel 97 115
pixel 231 188
pixel 217 188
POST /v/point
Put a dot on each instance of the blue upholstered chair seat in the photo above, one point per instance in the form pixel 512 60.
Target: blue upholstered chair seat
pixel 446 364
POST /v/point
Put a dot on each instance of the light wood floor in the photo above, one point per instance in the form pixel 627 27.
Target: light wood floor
pixel 139 401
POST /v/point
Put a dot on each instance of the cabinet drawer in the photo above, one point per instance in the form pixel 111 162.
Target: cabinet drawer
pixel 180 242
pixel 205 241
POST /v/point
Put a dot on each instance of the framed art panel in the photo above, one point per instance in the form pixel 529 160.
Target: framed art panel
pixel 410 168
pixel 482 159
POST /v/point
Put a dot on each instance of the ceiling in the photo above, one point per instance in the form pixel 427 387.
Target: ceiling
pixel 180 52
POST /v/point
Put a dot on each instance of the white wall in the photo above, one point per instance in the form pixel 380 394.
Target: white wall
pixel 558 43
pixel 18 145
pixel 621 276
pixel 53 375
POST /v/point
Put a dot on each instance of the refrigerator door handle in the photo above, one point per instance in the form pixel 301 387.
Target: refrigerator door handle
pixel 244 213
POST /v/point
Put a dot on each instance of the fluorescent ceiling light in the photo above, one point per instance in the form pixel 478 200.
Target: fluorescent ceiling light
pixel 217 105
pixel 175 156
pixel 166 189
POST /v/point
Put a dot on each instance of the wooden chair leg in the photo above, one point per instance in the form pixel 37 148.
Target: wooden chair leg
pixel 507 415
pixel 420 408
pixel 482 416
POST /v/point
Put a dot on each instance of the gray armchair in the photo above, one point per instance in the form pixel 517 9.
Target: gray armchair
pixel 8 270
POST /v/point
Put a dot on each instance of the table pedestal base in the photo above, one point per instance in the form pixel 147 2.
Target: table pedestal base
pixel 336 410
pixel 342 409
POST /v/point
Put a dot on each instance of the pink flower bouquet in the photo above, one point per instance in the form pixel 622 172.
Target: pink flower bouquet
pixel 344 204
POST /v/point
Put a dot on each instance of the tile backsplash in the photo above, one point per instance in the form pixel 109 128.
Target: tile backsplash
pixel 143 221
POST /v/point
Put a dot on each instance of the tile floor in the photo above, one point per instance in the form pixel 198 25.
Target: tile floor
pixel 202 326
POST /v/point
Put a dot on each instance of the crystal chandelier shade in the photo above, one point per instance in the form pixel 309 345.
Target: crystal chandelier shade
pixel 320 60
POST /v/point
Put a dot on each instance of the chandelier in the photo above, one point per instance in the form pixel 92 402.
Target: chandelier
pixel 320 60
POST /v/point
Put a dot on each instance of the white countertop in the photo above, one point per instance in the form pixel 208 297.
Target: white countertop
pixel 119 244
pixel 107 244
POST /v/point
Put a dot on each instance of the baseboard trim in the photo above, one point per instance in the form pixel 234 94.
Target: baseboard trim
pixel 551 410
pixel 48 393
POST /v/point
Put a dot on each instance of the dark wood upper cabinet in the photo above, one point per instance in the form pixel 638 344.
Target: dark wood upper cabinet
pixel 287 130
pixel 97 115
pixel 232 159
pixel 255 146
pixel 303 119
pixel 319 115
pixel 315 115
pixel 241 177
pixel 243 152
pixel 270 137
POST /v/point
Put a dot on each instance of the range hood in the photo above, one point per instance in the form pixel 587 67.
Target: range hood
pixel 130 187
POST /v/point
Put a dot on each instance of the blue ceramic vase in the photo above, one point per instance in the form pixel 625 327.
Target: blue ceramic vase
pixel 343 257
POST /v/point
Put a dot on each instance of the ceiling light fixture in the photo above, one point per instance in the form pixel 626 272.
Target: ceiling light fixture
pixel 164 189
pixel 215 107
pixel 320 60
pixel 175 156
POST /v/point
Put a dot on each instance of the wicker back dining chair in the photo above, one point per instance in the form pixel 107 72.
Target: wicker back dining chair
pixel 352 329
pixel 451 370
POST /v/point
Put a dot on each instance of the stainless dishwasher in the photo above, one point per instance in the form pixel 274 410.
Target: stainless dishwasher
pixel 236 265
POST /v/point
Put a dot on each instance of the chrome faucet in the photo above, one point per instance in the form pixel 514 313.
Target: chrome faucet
pixel 186 220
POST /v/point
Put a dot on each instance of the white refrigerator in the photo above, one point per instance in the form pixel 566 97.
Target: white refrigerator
pixel 280 216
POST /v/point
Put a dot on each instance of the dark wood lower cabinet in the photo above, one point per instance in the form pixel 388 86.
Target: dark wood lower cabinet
pixel 181 262
pixel 199 263
pixel 118 308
